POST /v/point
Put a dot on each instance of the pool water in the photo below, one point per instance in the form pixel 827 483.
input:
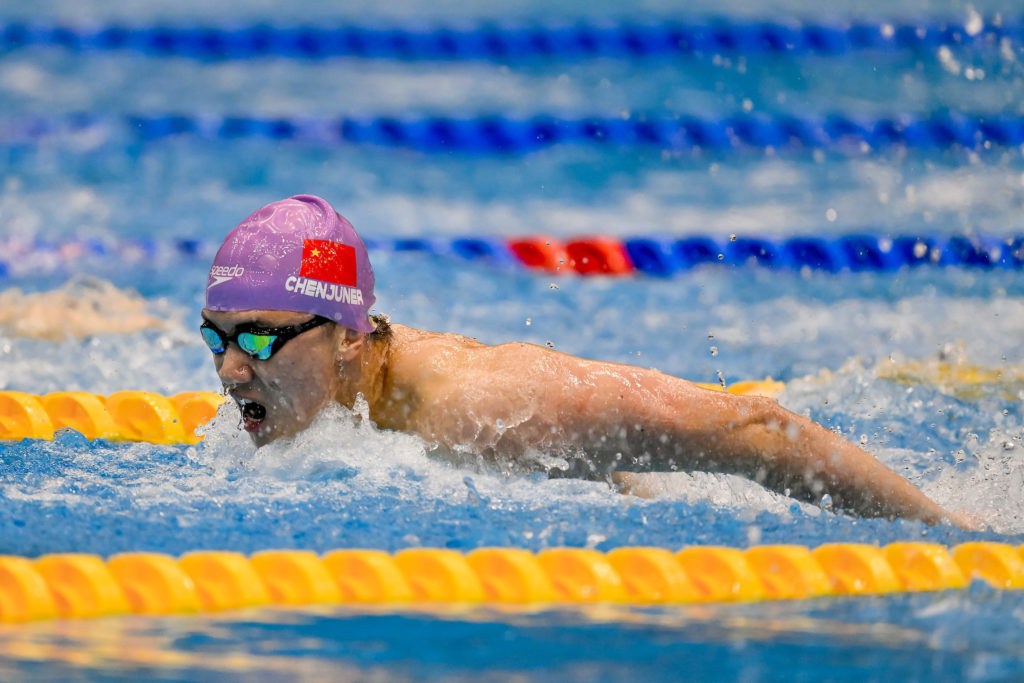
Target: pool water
pixel 834 338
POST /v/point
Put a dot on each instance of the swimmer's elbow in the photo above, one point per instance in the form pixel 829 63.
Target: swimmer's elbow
pixel 763 430
pixel 760 413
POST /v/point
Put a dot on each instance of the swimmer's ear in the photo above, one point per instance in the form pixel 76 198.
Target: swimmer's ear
pixel 350 344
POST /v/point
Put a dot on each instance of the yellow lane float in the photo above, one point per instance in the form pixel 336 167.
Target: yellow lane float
pixel 122 416
pixel 75 585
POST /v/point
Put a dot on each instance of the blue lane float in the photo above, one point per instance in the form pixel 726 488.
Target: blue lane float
pixel 658 256
pixel 504 42
pixel 498 135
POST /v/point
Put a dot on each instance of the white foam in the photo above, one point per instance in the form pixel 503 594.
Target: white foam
pixel 982 474
pixel 343 451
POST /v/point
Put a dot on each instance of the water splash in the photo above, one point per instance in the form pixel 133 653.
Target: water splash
pixel 941 425
pixel 83 307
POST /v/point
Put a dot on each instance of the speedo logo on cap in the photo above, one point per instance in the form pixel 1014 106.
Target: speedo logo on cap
pixel 222 274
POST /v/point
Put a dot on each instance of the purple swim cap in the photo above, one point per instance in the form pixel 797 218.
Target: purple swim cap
pixel 297 254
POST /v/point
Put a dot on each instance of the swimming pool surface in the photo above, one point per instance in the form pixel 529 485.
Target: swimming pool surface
pixel 834 338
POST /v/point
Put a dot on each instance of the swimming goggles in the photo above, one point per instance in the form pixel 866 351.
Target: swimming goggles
pixel 258 342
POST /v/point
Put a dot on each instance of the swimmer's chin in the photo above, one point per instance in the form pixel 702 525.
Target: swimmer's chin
pixel 260 440
pixel 263 427
pixel 266 434
pixel 261 433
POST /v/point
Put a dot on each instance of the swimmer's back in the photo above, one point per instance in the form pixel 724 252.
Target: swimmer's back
pixel 504 399
pixel 460 392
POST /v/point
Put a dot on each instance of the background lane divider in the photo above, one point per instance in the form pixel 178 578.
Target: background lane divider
pixel 73 585
pixel 497 135
pixel 579 40
pixel 658 256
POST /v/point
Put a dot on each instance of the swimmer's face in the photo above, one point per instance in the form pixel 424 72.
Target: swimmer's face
pixel 279 396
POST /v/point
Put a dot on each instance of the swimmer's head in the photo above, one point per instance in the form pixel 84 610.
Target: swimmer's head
pixel 297 254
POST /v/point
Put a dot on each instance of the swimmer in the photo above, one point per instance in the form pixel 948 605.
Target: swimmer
pixel 288 320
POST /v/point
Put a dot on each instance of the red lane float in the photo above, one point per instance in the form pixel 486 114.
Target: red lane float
pixel 544 253
pixel 599 255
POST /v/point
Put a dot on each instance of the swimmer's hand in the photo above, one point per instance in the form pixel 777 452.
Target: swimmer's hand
pixel 968 521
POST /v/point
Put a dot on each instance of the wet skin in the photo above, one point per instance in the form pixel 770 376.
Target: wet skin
pixel 510 400
pixel 293 385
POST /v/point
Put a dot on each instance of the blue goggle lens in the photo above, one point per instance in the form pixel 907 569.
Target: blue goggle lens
pixel 212 340
pixel 258 342
pixel 257 345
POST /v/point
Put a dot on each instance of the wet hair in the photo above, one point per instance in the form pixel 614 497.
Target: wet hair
pixel 382 331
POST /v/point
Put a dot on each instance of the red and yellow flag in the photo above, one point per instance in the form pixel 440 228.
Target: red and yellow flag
pixel 329 262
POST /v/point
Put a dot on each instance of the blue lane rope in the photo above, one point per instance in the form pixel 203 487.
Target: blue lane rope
pixel 502 135
pixel 509 42
pixel 654 255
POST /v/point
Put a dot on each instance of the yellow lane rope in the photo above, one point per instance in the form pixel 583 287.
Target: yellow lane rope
pixel 84 585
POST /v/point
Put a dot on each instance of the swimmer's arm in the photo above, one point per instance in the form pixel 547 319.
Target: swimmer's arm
pixel 647 420
pixel 680 425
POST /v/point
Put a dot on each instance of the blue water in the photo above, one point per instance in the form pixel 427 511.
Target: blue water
pixel 831 337
pixel 944 636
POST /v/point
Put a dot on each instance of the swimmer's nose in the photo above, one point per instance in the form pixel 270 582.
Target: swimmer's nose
pixel 236 367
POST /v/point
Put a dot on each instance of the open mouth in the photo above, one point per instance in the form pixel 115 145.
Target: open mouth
pixel 253 414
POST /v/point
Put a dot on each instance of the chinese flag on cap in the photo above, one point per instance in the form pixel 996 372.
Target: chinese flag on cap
pixel 329 261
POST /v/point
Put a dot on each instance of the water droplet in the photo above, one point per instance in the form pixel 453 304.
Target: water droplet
pixel 975 23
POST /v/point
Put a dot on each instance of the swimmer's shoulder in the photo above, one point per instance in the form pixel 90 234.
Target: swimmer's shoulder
pixel 412 340
pixel 423 370
pixel 409 341
pixel 418 355
pixel 415 354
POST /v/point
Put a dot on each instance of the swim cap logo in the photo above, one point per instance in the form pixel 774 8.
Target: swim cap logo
pixel 328 262
pixel 222 274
